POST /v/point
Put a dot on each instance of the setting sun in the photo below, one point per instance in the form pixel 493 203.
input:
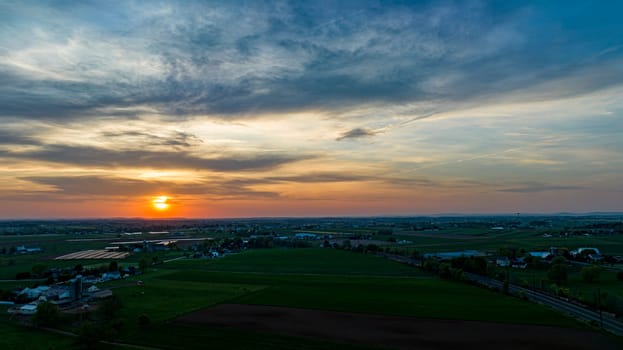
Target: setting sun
pixel 160 203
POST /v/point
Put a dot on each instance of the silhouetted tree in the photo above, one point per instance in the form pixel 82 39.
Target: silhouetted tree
pixel 47 315
pixel 557 273
pixel 590 273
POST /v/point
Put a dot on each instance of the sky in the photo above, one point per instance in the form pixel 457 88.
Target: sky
pixel 309 108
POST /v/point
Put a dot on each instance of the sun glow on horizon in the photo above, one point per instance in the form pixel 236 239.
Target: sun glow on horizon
pixel 160 203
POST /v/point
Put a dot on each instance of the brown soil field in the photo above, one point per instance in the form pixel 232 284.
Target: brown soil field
pixel 394 332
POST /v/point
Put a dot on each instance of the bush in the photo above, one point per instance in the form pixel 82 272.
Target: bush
pixel 430 265
pixel 444 270
pixel 620 276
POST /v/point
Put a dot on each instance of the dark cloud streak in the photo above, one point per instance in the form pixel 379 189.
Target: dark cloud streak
pixel 357 133
pixel 84 186
pixel 98 157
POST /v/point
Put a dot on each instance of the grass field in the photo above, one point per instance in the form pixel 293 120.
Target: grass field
pixel 488 240
pixel 19 337
pixel 312 278
pixel 299 261
pixel 422 297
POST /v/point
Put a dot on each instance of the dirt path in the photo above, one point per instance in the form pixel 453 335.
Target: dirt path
pixel 394 331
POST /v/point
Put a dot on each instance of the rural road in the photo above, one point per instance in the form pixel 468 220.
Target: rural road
pixel 607 322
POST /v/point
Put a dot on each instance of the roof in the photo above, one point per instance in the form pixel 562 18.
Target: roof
pixel 29 307
pixel 541 255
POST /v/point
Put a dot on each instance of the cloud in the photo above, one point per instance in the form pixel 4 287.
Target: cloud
pixel 15 138
pixel 176 139
pixel 539 187
pixel 320 177
pixel 97 157
pixel 86 186
pixel 357 133
pixel 229 61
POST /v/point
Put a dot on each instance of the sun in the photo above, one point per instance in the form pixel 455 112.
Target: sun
pixel 160 203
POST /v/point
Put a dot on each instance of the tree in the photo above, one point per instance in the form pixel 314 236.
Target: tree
pixel 113 266
pixel 620 276
pixel 47 315
pixel 590 273
pixel 505 251
pixel 24 275
pixel 110 307
pixel 559 260
pixel 444 270
pixel 557 273
pixel 142 264
pixel 39 269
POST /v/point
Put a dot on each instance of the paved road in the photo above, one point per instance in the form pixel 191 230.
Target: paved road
pixel 608 322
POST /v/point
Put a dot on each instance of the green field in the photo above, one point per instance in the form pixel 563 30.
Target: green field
pixel 388 292
pixel 299 261
pixel 314 278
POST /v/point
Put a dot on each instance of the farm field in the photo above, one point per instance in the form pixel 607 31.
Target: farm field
pixel 299 261
pixel 417 294
pixel 451 240
pixel 392 331
pixel 18 337
pixel 308 279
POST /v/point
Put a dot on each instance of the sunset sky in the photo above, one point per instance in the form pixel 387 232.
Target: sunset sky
pixel 309 108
